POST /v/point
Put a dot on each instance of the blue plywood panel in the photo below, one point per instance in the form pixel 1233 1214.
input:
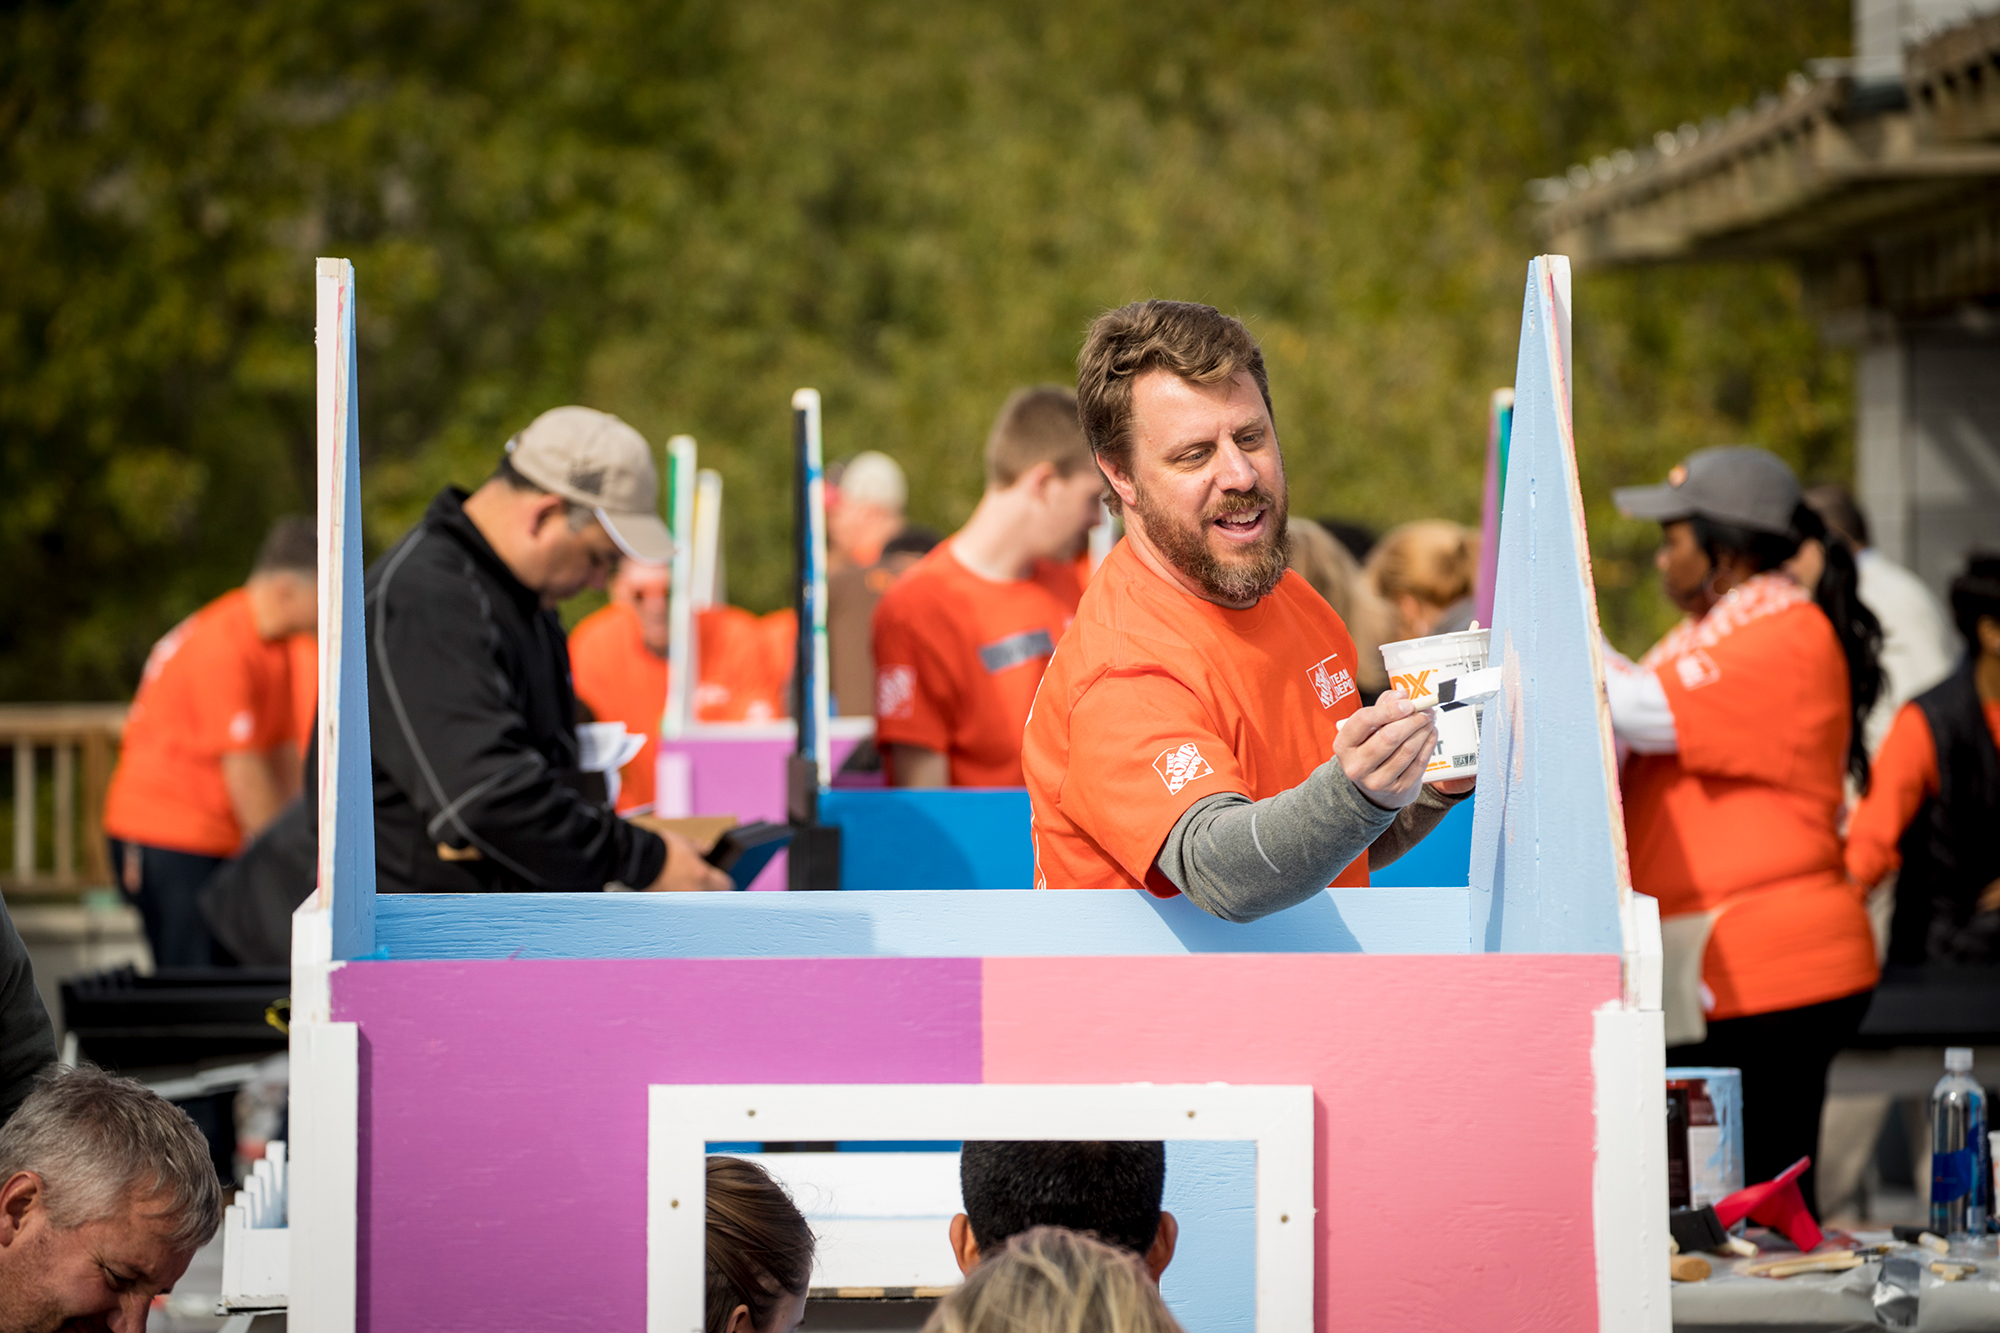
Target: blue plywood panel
pixel 943 838
pixel 347 801
pixel 1548 859
pixel 1445 857
pixel 911 924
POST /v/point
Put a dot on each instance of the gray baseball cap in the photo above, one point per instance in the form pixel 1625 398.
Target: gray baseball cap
pixel 593 459
pixel 1737 483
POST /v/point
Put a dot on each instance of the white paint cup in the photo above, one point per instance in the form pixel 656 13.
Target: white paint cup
pixel 1417 667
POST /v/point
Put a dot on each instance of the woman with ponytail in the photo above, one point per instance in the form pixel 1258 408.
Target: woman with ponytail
pixel 760 1251
pixel 1740 725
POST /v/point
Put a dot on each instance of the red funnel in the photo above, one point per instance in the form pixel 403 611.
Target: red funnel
pixel 1777 1204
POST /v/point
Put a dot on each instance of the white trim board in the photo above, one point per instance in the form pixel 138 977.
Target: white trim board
pixel 683 1119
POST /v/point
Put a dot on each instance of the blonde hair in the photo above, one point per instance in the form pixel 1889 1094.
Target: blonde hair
pixel 1325 562
pixel 1049 1280
pixel 1433 559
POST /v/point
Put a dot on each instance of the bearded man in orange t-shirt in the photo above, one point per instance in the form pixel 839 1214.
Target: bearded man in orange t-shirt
pixel 1199 730
pixel 210 753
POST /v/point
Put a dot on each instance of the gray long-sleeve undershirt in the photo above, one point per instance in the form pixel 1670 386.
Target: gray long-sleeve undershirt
pixel 1241 859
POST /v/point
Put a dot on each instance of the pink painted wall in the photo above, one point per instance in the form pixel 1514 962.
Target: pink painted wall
pixel 1454 1125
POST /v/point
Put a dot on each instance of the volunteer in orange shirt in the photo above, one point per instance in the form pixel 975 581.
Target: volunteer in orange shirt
pixel 1199 730
pixel 210 753
pixel 303 650
pixel 1741 722
pixel 618 661
pixel 1933 803
pixel 961 640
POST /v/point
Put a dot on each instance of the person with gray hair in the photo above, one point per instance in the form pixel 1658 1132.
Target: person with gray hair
pixel 106 1192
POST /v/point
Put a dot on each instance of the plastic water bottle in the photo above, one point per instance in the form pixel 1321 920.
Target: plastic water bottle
pixel 1961 1175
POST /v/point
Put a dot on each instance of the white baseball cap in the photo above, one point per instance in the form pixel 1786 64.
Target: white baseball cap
pixel 874 478
pixel 593 459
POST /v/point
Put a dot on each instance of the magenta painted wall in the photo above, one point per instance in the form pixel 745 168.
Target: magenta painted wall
pixel 503 1109
pixel 503 1134
pixel 1454 1125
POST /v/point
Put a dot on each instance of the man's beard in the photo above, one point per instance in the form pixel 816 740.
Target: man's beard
pixel 1247 574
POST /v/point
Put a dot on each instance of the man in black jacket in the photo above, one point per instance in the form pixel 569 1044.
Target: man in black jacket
pixel 27 1042
pixel 472 719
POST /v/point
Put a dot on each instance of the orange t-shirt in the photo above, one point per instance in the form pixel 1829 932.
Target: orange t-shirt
pixel 957 659
pixel 1902 777
pixel 746 662
pixel 1745 817
pixel 1156 699
pixel 303 650
pixel 211 687
pixel 621 680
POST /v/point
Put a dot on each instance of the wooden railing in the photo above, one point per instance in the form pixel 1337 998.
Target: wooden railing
pixel 81 741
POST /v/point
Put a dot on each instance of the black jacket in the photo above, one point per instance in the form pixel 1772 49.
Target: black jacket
pixel 472 725
pixel 27 1042
pixel 1951 850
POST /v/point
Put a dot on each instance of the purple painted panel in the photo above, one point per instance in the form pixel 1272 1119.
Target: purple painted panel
pixel 503 1109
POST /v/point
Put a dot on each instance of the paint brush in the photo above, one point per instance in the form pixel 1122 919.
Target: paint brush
pixel 1464 688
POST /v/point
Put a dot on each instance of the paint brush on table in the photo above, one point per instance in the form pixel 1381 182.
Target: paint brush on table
pixel 1923 1236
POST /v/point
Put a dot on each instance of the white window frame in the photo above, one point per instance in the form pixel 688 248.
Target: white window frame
pixel 683 1119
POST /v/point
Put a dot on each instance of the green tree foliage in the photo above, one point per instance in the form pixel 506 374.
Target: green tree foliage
pixel 681 212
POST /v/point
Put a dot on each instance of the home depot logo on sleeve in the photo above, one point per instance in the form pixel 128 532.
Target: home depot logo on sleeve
pixel 895 691
pixel 1180 766
pixel 1330 685
pixel 1696 670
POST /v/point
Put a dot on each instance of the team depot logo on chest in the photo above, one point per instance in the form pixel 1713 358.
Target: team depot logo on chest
pixel 1330 682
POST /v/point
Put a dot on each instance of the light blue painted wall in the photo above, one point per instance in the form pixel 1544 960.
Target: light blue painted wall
pixel 971 923
pixel 1211 1286
pixel 1545 865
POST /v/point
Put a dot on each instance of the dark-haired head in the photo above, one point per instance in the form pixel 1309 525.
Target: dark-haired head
pixel 1111 1190
pixel 291 546
pixel 283 586
pixel 1975 598
pixel 760 1251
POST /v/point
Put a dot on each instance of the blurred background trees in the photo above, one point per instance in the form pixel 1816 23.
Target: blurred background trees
pixel 681 212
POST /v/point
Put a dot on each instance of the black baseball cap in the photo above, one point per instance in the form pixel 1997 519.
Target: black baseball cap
pixel 1736 483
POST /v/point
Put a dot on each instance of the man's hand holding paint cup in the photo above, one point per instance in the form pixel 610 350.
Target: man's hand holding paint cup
pixel 1384 749
pixel 1443 675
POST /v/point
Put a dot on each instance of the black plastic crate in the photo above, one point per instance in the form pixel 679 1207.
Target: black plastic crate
pixel 125 1021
